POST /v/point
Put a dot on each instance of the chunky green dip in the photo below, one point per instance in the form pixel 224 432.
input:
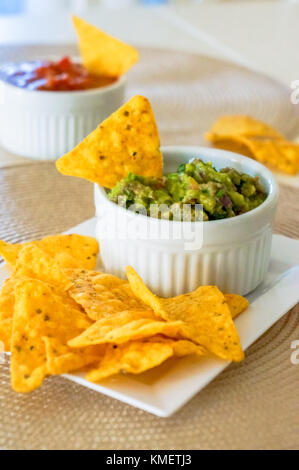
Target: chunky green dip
pixel 222 194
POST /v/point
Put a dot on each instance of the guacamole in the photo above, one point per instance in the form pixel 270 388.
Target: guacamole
pixel 222 194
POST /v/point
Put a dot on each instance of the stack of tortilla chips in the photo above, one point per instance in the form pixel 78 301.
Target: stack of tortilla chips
pixel 58 315
pixel 257 140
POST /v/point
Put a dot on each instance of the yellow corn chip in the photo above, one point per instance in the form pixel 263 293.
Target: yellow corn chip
pixel 32 263
pixel 103 54
pixel 138 356
pixel 229 126
pixel 7 298
pixel 257 140
pixel 61 359
pixel 5 334
pixel 70 251
pixel 39 313
pixel 35 263
pixel 7 304
pixel 183 348
pixel 102 295
pixel 128 141
pixel 206 315
pixel 126 326
pixel 236 144
pixel 9 252
pixel 236 303
pixel 278 154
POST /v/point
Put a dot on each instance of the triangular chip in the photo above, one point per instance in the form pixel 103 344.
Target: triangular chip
pixel 5 334
pixel 102 295
pixel 9 252
pixel 278 154
pixel 7 298
pixel 70 251
pixel 7 306
pixel 61 359
pixel 239 125
pixel 128 141
pixel 135 357
pixel 236 303
pixel 205 313
pixel 39 313
pixel 126 326
pixel 103 54
pixel 33 262
pixel 257 140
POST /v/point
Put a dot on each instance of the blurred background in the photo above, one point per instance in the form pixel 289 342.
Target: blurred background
pixel 18 6
pixel 258 34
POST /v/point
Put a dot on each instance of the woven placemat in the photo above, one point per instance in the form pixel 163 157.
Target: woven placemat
pixel 250 405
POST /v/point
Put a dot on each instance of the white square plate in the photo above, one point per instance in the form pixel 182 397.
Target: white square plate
pixel 167 388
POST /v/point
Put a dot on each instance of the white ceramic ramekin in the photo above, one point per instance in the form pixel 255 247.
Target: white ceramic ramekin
pixel 234 253
pixel 46 124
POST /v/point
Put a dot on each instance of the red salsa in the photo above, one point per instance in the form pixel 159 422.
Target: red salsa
pixel 63 75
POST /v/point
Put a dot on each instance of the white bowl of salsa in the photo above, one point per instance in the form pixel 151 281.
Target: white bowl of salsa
pixel 175 257
pixel 47 106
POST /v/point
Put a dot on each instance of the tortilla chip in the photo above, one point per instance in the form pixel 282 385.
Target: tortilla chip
pixel 278 154
pixel 7 298
pixel 5 333
pixel 254 139
pixel 236 303
pixel 70 251
pixel 128 141
pixel 229 126
pixel 61 359
pixel 39 312
pixel 236 144
pixel 9 252
pixel 126 326
pixel 205 313
pixel 103 54
pixel 102 295
pixel 32 263
pixel 7 305
pixel 35 263
pixel 138 356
